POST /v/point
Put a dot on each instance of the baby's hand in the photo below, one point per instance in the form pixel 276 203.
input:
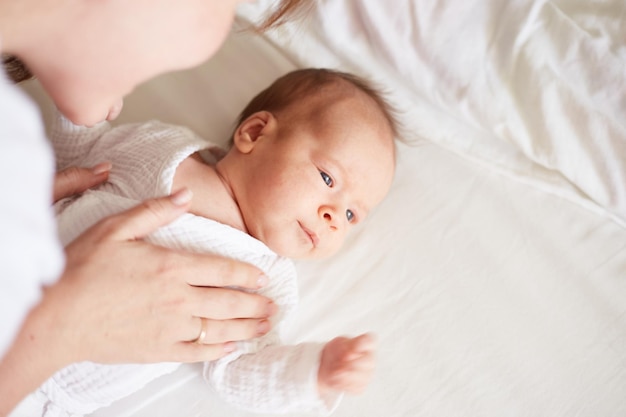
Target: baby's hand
pixel 347 364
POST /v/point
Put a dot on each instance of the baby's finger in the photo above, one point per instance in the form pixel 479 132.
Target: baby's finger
pixel 363 343
pixel 359 346
pixel 365 364
pixel 351 382
pixel 354 386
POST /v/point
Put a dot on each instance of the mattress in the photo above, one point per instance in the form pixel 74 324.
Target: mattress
pixel 494 273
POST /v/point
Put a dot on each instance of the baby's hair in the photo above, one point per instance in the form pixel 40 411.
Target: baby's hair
pixel 298 85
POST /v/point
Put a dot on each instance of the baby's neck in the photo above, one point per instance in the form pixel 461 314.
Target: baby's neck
pixel 212 196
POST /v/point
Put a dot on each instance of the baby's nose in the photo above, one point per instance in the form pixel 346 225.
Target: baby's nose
pixel 329 215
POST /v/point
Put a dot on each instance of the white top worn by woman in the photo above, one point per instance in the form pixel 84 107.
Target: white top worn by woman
pixel 30 252
pixel 261 375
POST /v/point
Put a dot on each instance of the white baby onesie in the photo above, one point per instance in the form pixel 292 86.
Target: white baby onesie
pixel 261 375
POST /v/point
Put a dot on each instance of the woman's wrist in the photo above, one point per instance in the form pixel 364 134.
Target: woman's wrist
pixel 37 353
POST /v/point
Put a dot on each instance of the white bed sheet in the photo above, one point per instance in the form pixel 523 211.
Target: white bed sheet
pixel 534 88
pixel 494 274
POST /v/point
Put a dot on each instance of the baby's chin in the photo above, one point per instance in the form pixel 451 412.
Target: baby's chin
pixel 303 254
pixel 297 249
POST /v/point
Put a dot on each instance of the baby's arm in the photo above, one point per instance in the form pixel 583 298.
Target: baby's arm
pixel 347 364
pixel 305 377
pixel 277 379
pixel 265 376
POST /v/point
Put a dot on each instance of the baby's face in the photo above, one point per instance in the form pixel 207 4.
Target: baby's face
pixel 312 182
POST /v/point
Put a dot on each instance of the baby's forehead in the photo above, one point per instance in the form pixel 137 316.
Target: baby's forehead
pixel 365 148
pixel 341 106
pixel 370 181
pixel 343 115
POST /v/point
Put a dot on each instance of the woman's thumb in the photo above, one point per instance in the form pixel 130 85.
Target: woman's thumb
pixel 148 216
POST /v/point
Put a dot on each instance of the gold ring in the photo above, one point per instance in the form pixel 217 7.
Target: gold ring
pixel 203 331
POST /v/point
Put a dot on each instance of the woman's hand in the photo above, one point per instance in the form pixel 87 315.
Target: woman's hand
pixel 121 299
pixel 75 180
pixel 133 301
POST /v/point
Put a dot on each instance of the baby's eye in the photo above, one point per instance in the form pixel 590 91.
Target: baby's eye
pixel 326 178
pixel 349 215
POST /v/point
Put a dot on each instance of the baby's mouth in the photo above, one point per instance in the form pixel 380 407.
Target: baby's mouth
pixel 312 236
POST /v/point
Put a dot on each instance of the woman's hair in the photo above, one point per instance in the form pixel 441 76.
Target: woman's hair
pixel 298 85
pixel 287 9
pixel 17 71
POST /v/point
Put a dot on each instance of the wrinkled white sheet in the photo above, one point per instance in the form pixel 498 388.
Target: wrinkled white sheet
pixel 494 274
pixel 534 88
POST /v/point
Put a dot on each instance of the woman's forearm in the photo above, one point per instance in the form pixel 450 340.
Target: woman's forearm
pixel 33 357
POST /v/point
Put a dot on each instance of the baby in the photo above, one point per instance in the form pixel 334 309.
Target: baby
pixel 311 156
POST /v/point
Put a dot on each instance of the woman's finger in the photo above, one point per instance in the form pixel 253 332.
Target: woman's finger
pixel 210 270
pixel 75 180
pixel 218 271
pixel 188 352
pixel 135 291
pixel 216 331
pixel 146 217
pixel 227 303
pixel 205 270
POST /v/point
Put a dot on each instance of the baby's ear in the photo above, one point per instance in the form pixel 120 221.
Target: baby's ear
pixel 253 128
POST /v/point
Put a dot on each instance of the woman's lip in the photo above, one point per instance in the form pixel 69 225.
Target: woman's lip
pixel 314 239
pixel 115 110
